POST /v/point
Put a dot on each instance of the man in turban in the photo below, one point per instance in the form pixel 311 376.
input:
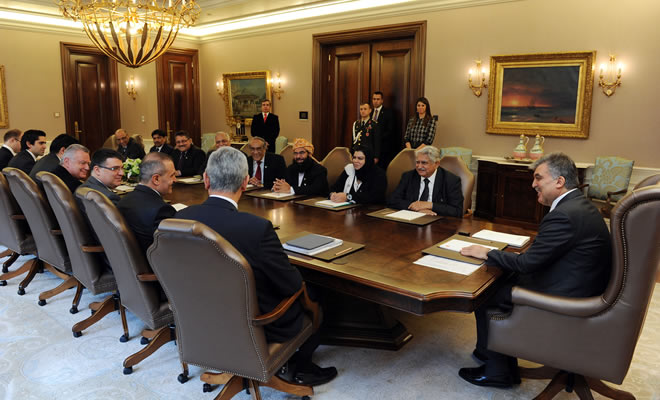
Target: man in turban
pixel 304 176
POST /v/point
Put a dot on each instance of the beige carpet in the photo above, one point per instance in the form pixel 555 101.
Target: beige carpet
pixel 39 358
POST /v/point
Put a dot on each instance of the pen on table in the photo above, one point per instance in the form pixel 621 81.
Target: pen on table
pixel 343 251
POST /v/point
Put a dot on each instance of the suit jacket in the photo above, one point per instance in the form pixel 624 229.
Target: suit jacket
pixel 23 161
pixel 314 183
pixel 132 150
pixel 369 136
pixel 268 130
pixel 447 194
pixel 167 149
pixel 275 278
pixel 571 255
pixel 61 172
pixel 46 163
pixel 95 184
pixel 273 167
pixel 193 163
pixel 143 209
pixel 390 143
pixel 371 191
pixel 5 156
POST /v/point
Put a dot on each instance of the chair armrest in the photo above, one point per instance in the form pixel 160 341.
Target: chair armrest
pixel 56 232
pixel 278 311
pixel 570 306
pixel 147 278
pixel 610 194
pixel 18 217
pixel 92 249
pixel 311 307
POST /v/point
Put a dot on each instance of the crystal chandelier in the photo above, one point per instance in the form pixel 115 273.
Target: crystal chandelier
pixel 133 32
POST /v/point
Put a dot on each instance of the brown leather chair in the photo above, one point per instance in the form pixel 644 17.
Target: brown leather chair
pixel 335 162
pixel 16 236
pixel 648 181
pixel 47 234
pixel 287 153
pixel 228 339
pixel 403 162
pixel 592 338
pixel 457 166
pixel 139 288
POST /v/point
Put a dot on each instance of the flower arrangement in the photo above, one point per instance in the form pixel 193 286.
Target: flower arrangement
pixel 132 168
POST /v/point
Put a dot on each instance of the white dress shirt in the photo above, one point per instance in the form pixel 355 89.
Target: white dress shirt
pixel 558 199
pixel 225 198
pixel 431 183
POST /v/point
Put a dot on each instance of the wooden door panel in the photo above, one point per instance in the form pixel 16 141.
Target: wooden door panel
pixel 90 101
pixel 351 87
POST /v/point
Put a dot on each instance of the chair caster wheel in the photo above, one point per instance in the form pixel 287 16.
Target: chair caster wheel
pixel 92 312
pixel 182 378
pixel 123 339
pixel 144 341
pixel 21 291
pixel 42 302
pixel 5 269
pixel 73 310
pixel 305 398
pixel 207 388
pixel 77 334
pixel 128 370
pixel 3 283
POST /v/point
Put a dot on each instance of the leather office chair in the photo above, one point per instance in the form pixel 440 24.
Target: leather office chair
pixel 648 181
pixel 47 234
pixel 16 236
pixel 229 339
pixel 457 166
pixel 609 181
pixel 287 153
pixel 592 338
pixel 139 288
pixel 403 162
pixel 335 162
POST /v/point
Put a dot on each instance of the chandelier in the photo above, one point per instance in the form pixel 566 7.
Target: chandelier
pixel 133 32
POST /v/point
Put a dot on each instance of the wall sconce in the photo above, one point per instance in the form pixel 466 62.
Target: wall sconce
pixel 130 87
pixel 480 76
pixel 277 91
pixel 220 87
pixel 610 76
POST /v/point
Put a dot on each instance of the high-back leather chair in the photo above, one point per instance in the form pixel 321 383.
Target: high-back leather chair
pixel 335 162
pixel 229 338
pixel 593 338
pixel 45 230
pixel 16 236
pixel 138 286
pixel 457 166
pixel 403 162
pixel 287 154
pixel 648 181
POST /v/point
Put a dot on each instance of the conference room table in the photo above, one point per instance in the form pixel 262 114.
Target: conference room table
pixel 359 288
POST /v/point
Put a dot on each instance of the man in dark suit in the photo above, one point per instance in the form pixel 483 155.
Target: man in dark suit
pixel 221 139
pixel 428 188
pixel 366 132
pixel 225 178
pixel 127 147
pixel 264 167
pixel 74 167
pixel 33 145
pixel 144 207
pixel 160 142
pixel 51 160
pixel 10 147
pixel 188 159
pixel 304 175
pixel 571 257
pixel 266 125
pixel 107 169
pixel 390 143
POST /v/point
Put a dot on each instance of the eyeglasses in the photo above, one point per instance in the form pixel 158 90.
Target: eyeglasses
pixel 113 169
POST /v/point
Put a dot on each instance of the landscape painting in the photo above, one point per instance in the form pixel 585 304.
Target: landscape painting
pixel 244 92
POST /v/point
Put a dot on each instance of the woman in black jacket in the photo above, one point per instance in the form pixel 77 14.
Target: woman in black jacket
pixel 361 181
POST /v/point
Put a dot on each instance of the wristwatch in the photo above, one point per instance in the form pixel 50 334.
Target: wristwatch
pixel 349 197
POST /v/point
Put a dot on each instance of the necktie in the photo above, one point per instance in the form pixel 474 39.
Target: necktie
pixel 179 165
pixel 265 115
pixel 376 115
pixel 425 192
pixel 257 174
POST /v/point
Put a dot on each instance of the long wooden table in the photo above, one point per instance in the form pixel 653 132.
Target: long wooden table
pixel 381 274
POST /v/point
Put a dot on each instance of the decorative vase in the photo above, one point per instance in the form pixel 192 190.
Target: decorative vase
pixel 520 151
pixel 537 150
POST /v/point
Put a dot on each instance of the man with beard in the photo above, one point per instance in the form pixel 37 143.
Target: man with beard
pixel 304 176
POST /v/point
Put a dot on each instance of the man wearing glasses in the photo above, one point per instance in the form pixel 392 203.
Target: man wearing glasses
pixel 188 159
pixel 263 167
pixel 304 175
pixel 107 169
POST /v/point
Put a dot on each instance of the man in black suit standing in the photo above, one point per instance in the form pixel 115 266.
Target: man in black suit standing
pixel 127 147
pixel 264 167
pixel 10 147
pixel 266 125
pixel 390 144
pixel 304 176
pixel 74 167
pixel 144 207
pixel 160 142
pixel 226 178
pixel 571 257
pixel 188 159
pixel 107 169
pixel 428 188
pixel 54 157
pixel 366 132
pixel 33 144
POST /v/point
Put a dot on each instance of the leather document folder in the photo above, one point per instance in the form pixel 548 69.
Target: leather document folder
pixel 435 250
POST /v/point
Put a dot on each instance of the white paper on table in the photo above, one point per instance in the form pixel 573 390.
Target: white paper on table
pixel 125 188
pixel 405 214
pixel 179 206
pixel 512 240
pixel 249 186
pixel 189 180
pixel 457 245
pixel 449 265
pixel 332 204
pixel 276 195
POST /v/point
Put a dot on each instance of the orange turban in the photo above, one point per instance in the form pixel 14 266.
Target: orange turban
pixel 302 143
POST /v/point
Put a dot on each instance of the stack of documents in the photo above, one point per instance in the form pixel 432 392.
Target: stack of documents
pixel 511 240
pixel 457 245
pixel 124 188
pixel 192 179
pixel 446 264
pixel 406 215
pixel 312 244
pixel 332 204
pixel 276 195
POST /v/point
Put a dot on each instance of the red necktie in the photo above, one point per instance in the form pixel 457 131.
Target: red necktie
pixel 265 115
pixel 258 173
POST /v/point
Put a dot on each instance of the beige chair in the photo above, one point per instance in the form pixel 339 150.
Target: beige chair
pixel 287 153
pixel 246 149
pixel 335 162
pixel 457 166
pixel 230 339
pixel 584 340
pixel 648 181
pixel 280 143
pixel 403 162
pixel 609 181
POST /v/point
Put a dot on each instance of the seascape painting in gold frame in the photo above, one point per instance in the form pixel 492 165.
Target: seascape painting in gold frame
pixel 243 94
pixel 4 110
pixel 547 93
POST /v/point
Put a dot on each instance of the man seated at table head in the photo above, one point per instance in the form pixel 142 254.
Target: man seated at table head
pixel 159 137
pixel 10 147
pixel 571 257
pixel 221 139
pixel 74 167
pixel 144 207
pixel 264 167
pixel 188 159
pixel 33 145
pixel 304 176
pixel 428 188
pixel 225 178
pixel 54 156
pixel 107 170
pixel 126 146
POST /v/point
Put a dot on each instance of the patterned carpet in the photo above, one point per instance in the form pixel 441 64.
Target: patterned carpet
pixel 39 358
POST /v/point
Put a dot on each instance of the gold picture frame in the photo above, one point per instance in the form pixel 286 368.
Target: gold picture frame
pixel 4 110
pixel 546 93
pixel 243 94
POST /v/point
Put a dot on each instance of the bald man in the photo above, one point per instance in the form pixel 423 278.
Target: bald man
pixel 126 146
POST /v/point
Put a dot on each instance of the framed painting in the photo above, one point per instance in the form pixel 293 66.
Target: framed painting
pixel 4 110
pixel 243 94
pixel 548 93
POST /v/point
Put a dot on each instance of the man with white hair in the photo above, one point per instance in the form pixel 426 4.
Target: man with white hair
pixel 221 139
pixel 74 167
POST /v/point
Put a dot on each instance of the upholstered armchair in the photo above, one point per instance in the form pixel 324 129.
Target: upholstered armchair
pixel 402 162
pixel 609 181
pixel 582 341
pixel 457 166
pixel 648 181
pixel 287 153
pixel 335 162
pixel 280 143
pixel 462 152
